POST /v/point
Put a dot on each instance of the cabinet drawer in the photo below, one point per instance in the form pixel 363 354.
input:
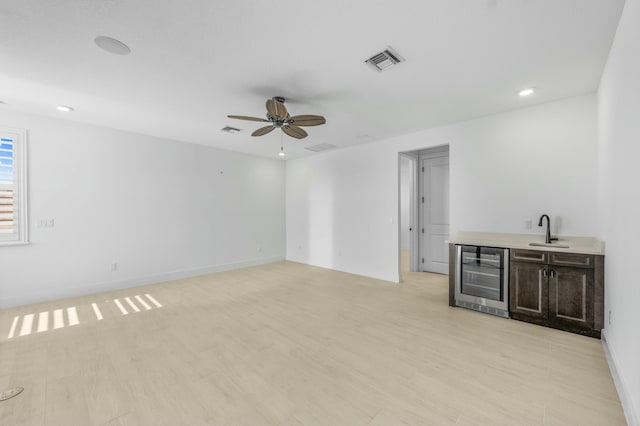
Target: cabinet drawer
pixel 571 259
pixel 533 256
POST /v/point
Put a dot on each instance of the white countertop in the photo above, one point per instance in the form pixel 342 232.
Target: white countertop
pixel 583 245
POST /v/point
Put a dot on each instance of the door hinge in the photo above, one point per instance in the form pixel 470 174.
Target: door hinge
pixel 423 230
pixel 423 260
pixel 422 200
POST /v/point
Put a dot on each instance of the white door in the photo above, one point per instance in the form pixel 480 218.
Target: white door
pixel 435 215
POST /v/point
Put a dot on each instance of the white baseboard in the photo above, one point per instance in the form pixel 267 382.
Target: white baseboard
pixel 627 404
pixel 61 293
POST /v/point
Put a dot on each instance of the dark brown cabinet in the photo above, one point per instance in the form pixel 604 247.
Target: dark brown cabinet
pixel 529 290
pixel 571 296
pixel 557 290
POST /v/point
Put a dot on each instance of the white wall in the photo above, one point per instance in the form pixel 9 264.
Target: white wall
pixel 342 206
pixel 516 166
pixel 161 209
pixel 619 201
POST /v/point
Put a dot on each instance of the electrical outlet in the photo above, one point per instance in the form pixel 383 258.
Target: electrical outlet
pixel 113 267
pixel 609 316
pixel 46 223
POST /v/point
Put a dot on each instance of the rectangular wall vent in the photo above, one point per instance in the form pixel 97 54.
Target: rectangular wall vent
pixel 230 129
pixel 320 147
pixel 385 59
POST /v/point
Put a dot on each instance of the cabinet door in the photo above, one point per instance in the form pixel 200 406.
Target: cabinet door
pixel 571 296
pixel 529 290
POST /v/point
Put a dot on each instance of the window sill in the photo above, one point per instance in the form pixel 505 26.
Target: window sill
pixel 14 243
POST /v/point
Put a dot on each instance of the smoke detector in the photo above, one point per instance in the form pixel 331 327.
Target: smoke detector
pixel 385 59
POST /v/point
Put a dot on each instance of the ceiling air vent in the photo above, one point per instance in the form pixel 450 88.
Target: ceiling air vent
pixel 385 59
pixel 230 129
pixel 321 147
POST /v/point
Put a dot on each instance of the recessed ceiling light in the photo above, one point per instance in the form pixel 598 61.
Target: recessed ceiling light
pixel 112 45
pixel 64 108
pixel 526 92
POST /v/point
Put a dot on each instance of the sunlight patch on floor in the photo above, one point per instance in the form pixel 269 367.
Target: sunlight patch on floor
pixel 43 321
pixel 136 303
pixel 97 311
pixel 154 301
pixel 123 311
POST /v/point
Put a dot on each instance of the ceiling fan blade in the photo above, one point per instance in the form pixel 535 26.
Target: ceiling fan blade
pixel 307 120
pixel 263 131
pixel 244 117
pixel 294 131
pixel 276 109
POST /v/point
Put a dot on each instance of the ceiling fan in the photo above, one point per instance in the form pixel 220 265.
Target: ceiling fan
pixel 278 116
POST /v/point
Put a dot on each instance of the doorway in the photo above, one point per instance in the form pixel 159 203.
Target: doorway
pixel 408 164
pixel 424 210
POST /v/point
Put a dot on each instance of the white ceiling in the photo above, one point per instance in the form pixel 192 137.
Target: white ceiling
pixel 195 61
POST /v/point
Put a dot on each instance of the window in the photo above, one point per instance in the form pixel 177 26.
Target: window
pixel 13 186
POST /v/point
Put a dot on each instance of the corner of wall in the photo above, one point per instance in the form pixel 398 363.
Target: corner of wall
pixel 620 383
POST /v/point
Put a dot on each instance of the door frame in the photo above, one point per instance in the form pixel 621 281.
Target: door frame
pixel 414 242
pixel 415 245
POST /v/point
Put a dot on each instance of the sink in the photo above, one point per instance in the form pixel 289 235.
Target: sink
pixel 554 245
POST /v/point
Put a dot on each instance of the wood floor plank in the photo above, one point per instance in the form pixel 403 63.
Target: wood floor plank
pixel 293 344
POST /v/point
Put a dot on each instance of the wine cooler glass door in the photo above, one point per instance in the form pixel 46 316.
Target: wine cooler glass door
pixel 482 272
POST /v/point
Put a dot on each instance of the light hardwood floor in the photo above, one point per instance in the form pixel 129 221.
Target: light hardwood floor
pixel 293 344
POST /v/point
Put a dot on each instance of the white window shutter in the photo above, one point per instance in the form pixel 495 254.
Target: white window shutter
pixel 13 186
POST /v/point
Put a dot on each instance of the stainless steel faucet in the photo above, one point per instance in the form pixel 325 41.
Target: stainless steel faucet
pixel 548 237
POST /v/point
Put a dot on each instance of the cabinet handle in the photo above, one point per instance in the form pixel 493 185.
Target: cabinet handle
pixel 553 274
pixel 544 272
